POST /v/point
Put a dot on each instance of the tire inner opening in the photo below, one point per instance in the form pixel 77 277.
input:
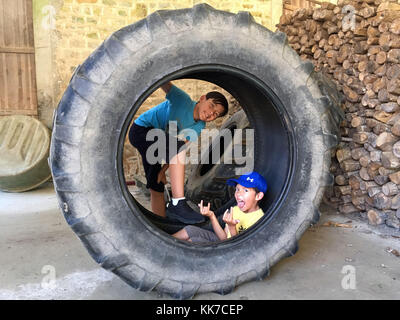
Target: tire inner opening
pixel 273 141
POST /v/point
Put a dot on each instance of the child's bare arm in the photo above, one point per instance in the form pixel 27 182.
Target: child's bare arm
pixel 217 228
pixel 166 87
pixel 230 222
pixel 232 230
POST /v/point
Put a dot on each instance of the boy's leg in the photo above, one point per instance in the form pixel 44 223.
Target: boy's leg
pixel 137 138
pixel 181 235
pixel 157 202
pixel 177 174
pixel 178 209
pixel 196 234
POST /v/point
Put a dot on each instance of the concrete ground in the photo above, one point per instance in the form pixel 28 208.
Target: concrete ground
pixel 41 258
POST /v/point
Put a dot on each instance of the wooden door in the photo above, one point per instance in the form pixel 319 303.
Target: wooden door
pixel 17 58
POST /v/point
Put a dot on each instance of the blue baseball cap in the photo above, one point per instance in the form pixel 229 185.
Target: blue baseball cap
pixel 250 180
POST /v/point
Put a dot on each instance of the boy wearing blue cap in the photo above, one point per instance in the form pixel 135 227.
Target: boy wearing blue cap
pixel 250 189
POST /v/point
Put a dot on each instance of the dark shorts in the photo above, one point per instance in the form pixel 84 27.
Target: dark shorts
pixel 137 138
pixel 199 235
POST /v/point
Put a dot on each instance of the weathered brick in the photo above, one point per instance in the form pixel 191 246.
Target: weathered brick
pixel 140 10
pixel 122 13
pixel 77 19
pixel 93 35
pixel 109 2
pixel 97 11
pixel 77 43
pixel 87 11
pixel 83 24
pixel 126 3
pixel 91 20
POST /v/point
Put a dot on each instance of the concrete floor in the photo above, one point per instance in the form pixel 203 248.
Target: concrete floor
pixel 41 258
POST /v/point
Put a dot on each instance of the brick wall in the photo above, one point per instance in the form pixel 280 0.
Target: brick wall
pixel 81 25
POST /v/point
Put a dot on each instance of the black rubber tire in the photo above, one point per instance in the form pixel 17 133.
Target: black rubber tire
pixel 282 96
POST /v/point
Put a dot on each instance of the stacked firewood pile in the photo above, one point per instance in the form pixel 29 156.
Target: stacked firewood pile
pixel 357 44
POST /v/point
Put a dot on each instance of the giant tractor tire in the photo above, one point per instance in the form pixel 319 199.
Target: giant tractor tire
pixel 293 110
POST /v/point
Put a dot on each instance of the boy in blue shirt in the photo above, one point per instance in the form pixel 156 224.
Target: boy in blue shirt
pixel 188 114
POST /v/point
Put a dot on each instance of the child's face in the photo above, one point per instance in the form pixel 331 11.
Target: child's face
pixel 209 110
pixel 247 198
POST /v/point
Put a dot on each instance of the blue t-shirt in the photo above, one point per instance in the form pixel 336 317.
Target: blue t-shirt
pixel 178 107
